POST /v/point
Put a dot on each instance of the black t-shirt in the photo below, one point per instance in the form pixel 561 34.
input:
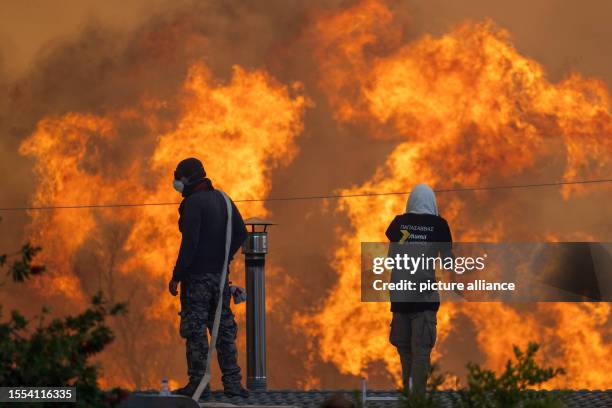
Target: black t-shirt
pixel 410 228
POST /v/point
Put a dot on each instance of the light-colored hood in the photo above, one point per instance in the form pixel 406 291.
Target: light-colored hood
pixel 422 200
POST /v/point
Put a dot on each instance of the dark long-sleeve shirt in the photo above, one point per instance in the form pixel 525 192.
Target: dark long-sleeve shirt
pixel 202 222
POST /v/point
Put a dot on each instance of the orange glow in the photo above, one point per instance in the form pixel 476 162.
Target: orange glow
pixel 241 130
pixel 469 110
pixel 465 109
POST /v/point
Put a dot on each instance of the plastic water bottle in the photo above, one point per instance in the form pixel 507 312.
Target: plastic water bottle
pixel 165 390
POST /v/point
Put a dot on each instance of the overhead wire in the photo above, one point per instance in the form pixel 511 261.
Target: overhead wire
pixel 314 197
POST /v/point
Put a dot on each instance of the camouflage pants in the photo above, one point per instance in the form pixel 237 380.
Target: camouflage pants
pixel 199 299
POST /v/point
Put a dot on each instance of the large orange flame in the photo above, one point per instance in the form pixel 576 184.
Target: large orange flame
pixel 241 130
pixel 468 109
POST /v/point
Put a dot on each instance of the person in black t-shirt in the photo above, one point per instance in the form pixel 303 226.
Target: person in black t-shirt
pixel 419 231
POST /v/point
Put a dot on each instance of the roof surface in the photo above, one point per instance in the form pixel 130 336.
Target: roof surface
pixel 573 399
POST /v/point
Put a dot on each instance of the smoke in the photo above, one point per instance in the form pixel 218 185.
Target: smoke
pixel 564 37
pixel 137 69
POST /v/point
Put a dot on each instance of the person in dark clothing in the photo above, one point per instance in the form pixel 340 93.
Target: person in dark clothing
pixel 202 222
pixel 419 231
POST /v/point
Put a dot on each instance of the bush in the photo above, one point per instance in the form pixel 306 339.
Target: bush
pixel 484 389
pixel 512 387
pixel 57 352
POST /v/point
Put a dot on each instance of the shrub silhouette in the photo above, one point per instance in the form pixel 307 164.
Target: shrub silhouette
pixel 55 352
pixel 513 387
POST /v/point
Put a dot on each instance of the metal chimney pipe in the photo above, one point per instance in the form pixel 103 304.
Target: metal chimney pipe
pixel 255 248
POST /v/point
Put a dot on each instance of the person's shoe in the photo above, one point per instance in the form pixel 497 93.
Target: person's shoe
pixel 235 390
pixel 190 389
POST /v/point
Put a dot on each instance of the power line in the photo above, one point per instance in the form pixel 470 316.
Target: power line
pixel 315 197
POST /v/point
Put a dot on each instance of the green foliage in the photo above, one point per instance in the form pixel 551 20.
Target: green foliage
pixel 57 351
pixel 511 388
pixel 514 387
pixel 23 268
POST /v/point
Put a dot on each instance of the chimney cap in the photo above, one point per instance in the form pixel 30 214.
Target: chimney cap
pixel 258 221
pixel 254 221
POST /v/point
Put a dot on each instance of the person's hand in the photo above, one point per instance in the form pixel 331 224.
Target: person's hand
pixel 173 287
pixel 238 293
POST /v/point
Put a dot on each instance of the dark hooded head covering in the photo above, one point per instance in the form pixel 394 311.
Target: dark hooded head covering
pixel 193 170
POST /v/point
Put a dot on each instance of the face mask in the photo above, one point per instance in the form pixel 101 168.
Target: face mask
pixel 178 185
